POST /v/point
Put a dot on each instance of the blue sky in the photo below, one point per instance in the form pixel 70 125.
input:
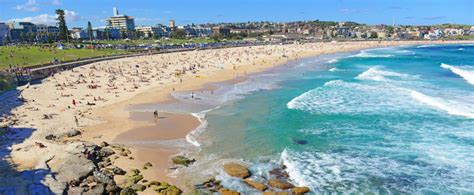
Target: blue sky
pixel 150 12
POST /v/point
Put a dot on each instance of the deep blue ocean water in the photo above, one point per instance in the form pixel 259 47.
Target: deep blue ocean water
pixel 388 120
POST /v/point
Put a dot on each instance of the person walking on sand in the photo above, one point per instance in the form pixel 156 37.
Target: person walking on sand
pixel 76 120
pixel 155 114
pixel 74 102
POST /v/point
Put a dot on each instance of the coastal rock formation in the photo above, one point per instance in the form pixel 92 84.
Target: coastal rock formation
pixel 74 168
pixel 181 160
pixel 300 190
pixel 225 191
pixel 236 170
pixel 254 184
pixel 281 184
pixel 275 193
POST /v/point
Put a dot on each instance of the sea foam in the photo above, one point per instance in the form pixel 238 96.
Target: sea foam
pixel 443 105
pixel 466 72
pixel 376 74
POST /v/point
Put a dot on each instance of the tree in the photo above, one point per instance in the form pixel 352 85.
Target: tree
pixel 50 39
pixel 7 39
pixel 123 33
pixel 374 35
pixel 63 31
pixel 179 34
pixel 89 30
pixel 31 37
pixel 22 36
pixel 107 34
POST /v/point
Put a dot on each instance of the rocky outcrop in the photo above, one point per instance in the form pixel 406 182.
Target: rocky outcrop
pixel 181 160
pixel 275 193
pixel 225 191
pixel 74 168
pixel 280 184
pixel 300 190
pixel 236 170
pixel 257 185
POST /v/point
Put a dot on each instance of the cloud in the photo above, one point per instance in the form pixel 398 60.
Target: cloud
pixel 434 18
pixel 40 19
pixel 351 11
pixel 56 2
pixel 70 16
pixel 30 5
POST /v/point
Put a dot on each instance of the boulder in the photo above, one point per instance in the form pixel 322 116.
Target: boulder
pixel 103 144
pixel 277 183
pixel 105 152
pixel 275 193
pixel 127 191
pixel 97 189
pixel 118 171
pixel 257 185
pixel 225 191
pixel 103 177
pixel 236 170
pixel 74 168
pixel 112 188
pixel 138 187
pixel 71 133
pixel 300 190
pixel 181 160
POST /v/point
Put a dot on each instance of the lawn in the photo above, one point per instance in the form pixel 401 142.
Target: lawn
pixel 160 41
pixel 24 56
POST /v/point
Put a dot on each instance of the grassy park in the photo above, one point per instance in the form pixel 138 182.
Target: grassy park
pixel 23 56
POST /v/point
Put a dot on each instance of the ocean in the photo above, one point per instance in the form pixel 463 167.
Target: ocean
pixel 385 120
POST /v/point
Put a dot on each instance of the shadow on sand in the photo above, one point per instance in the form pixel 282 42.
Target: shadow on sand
pixel 13 181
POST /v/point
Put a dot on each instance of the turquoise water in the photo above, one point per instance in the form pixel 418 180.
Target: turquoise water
pixel 389 120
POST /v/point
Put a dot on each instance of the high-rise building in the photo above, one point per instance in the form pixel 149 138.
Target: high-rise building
pixel 172 25
pixel 121 21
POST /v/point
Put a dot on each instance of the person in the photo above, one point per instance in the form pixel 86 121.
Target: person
pixel 74 102
pixel 76 120
pixel 155 114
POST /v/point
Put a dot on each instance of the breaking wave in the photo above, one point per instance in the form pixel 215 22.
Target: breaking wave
pixel 466 72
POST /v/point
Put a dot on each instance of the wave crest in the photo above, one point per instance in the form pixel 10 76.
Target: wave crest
pixel 466 72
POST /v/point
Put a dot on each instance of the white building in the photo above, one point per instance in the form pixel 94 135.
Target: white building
pixel 150 31
pixel 453 32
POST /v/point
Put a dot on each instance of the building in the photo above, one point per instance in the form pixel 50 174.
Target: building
pixel 79 33
pixel 454 32
pixel 172 24
pixel 121 21
pixel 4 33
pixel 151 31
pixel 22 31
pixel 220 31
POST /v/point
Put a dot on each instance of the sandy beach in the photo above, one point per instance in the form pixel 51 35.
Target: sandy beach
pixel 95 99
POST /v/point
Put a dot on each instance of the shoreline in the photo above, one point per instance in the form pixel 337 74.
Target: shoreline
pixel 114 119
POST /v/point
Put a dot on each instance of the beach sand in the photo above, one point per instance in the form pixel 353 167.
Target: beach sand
pixel 104 92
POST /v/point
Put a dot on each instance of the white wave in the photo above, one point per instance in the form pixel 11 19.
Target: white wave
pixel 425 46
pixel 191 136
pixel 333 69
pixel 461 49
pixel 466 72
pixel 333 61
pixel 366 54
pixel 376 74
pixel 337 96
pixel 459 110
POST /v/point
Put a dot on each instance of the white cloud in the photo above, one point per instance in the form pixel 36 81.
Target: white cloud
pixel 40 19
pixel 71 16
pixel 55 2
pixel 30 5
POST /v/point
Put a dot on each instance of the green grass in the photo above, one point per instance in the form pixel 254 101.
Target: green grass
pixel 24 56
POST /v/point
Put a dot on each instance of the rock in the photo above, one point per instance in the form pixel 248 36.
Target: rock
pixel 123 153
pixel 105 152
pixel 138 187
pixel 225 191
pixel 127 191
pixel 102 177
pixel 72 133
pixel 280 173
pixel 118 171
pixel 50 137
pixel 148 164
pixel 168 190
pixel 75 190
pixel 112 188
pixel 134 177
pixel 90 179
pixel 74 167
pixel 103 144
pixel 97 189
pixel 236 170
pixel 257 185
pixel 275 193
pixel 153 183
pixel 181 160
pixel 277 183
pixel 300 190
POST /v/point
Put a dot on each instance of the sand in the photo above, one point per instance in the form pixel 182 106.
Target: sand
pixel 103 92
